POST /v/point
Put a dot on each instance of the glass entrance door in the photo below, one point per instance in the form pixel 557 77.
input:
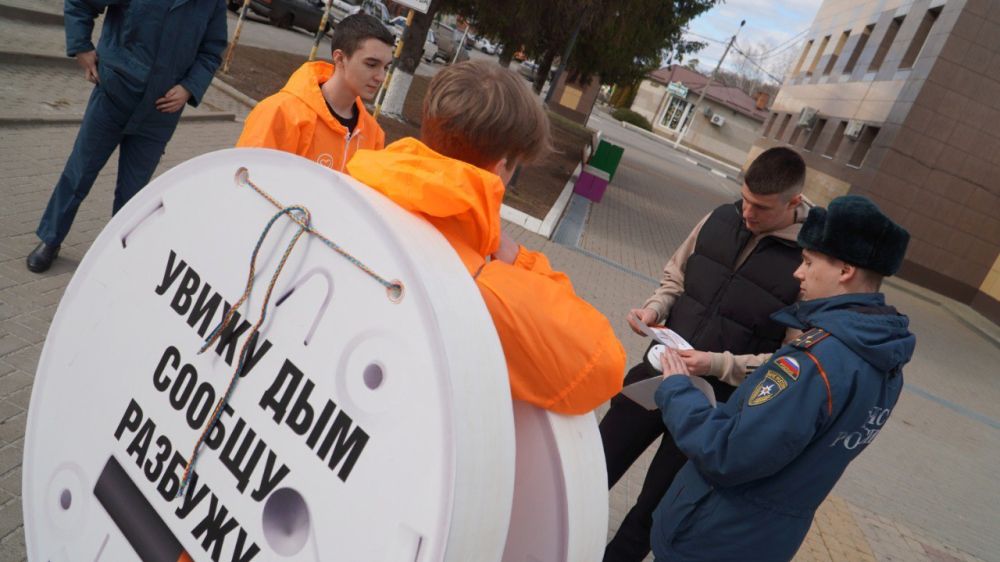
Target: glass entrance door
pixel 677 114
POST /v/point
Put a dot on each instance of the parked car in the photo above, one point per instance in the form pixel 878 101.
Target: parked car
pixel 529 69
pixel 486 46
pixel 304 14
pixel 377 9
pixel 344 8
pixel 398 24
pixel 449 41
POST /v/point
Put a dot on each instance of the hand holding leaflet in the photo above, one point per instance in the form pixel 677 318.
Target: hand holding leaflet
pixel 644 392
pixel 664 335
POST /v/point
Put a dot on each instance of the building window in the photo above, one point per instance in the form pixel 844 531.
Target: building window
pixel 784 125
pixel 678 111
pixel 770 124
pixel 923 30
pixel 802 59
pixel 838 135
pixel 836 53
pixel 795 136
pixel 814 135
pixel 858 49
pixel 886 44
pixel 818 55
pixel 863 145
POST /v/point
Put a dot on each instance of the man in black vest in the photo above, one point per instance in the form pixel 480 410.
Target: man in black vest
pixel 718 292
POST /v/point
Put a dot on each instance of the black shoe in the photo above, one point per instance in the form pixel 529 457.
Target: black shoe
pixel 40 260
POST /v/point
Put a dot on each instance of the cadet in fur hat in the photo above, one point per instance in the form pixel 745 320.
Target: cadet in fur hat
pixel 761 464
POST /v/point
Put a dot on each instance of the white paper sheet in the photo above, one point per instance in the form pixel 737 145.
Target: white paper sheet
pixel 666 336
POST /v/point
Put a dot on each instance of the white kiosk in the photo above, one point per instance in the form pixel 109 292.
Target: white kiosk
pixel 372 420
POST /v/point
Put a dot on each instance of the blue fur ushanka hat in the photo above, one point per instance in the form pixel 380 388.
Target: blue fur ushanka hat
pixel 854 230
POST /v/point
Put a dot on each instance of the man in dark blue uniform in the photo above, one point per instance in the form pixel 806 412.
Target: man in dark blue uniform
pixel 154 57
pixel 761 464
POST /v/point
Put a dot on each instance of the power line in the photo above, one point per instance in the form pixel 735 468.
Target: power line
pixel 753 62
pixel 705 37
pixel 785 43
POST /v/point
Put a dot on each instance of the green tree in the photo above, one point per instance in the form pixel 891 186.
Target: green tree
pixel 628 39
pixel 618 42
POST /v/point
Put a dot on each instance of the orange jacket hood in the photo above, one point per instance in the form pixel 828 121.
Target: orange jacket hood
pixel 305 84
pixel 459 199
pixel 297 120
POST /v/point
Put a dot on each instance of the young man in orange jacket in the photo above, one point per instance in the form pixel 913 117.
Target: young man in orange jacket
pixel 479 121
pixel 319 113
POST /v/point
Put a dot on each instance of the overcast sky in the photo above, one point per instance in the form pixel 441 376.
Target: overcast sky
pixel 770 22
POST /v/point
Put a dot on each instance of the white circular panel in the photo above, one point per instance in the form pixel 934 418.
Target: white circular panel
pixel 385 427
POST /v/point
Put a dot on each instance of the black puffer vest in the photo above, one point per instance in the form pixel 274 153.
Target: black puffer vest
pixel 728 309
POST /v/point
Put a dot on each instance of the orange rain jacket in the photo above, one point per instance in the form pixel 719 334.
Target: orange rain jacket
pixel 297 120
pixel 562 354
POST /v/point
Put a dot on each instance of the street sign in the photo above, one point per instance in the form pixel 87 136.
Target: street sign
pixel 418 5
pixel 677 89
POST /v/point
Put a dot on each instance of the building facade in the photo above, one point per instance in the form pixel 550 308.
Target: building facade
pixel 899 100
pixel 724 126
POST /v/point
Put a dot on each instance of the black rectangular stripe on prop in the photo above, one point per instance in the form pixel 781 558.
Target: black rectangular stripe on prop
pixel 135 517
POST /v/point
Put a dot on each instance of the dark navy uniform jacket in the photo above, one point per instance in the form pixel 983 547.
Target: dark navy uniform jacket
pixel 761 464
pixel 148 47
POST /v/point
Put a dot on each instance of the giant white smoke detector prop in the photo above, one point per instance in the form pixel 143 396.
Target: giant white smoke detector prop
pixel 372 421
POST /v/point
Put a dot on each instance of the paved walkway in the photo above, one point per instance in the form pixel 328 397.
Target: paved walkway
pixel 923 491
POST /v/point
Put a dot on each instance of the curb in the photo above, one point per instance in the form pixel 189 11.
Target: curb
pixel 543 227
pixel 31 16
pixel 232 92
pixel 76 119
pixel 32 59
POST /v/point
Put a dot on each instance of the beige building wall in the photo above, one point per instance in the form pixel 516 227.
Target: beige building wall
pixel 648 99
pixel 730 142
pixel 991 285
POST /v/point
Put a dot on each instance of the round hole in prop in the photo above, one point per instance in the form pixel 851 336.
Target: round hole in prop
pixel 374 376
pixel 286 522
pixel 395 291
pixel 65 499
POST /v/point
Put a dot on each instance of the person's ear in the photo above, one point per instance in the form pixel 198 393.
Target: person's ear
pixel 795 201
pixel 500 167
pixel 338 57
pixel 848 273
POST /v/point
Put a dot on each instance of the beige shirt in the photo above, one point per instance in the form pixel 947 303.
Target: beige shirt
pixel 728 367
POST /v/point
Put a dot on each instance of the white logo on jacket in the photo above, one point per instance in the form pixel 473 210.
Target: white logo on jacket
pixel 325 160
pixel 866 434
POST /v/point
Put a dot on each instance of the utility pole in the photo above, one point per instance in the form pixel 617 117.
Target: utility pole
pixel 694 110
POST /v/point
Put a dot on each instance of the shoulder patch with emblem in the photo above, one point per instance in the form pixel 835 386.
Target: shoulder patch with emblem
pixel 789 365
pixel 771 386
pixel 810 338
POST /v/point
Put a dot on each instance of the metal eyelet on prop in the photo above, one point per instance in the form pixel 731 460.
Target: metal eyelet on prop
pixel 395 291
pixel 241 176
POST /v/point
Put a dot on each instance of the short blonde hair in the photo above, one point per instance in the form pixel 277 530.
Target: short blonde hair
pixel 481 113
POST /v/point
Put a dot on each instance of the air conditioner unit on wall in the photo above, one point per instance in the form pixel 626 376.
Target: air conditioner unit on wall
pixel 718 120
pixel 807 117
pixel 853 129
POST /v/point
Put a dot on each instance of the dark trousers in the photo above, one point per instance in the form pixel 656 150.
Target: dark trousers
pixel 627 430
pixel 102 130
